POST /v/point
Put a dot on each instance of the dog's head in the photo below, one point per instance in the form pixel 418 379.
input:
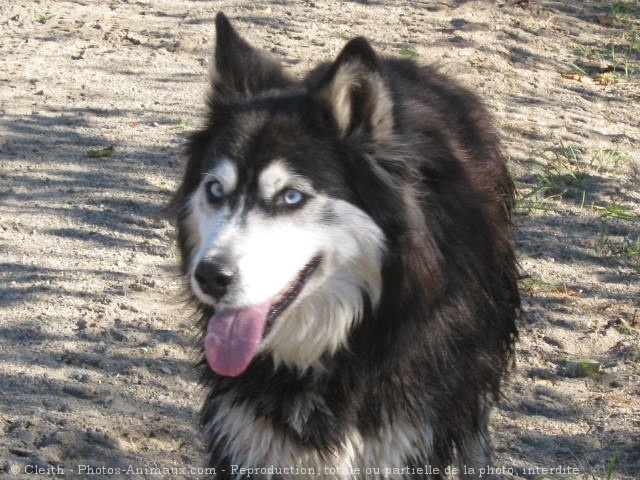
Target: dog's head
pixel 280 243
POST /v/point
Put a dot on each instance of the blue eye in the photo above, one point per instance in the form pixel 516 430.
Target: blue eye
pixel 215 191
pixel 292 197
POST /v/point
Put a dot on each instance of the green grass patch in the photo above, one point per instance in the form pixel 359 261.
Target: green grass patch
pixel 43 18
pixel 532 201
pixel 561 174
pixel 608 159
pixel 535 284
pixel 101 152
pixel 611 466
pixel 625 248
pixel 616 59
pixel 615 210
pixel 623 11
pixel 408 52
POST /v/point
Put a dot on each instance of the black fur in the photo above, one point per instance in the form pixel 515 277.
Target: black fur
pixel 435 349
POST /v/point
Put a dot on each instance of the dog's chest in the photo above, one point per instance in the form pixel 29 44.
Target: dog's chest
pixel 255 442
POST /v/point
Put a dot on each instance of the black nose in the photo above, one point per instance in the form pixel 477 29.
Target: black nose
pixel 214 276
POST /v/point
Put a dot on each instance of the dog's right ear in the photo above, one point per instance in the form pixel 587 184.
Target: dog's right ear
pixel 356 92
pixel 238 70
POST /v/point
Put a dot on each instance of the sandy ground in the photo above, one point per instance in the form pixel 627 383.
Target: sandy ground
pixel 95 347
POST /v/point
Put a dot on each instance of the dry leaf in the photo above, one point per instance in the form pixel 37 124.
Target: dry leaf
pixel 607 76
pixel 568 291
pixel 606 80
pixel 605 21
pixel 578 77
pixel 571 76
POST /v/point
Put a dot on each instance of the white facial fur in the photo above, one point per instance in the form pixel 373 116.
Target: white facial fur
pixel 269 251
pixel 326 309
pixel 206 225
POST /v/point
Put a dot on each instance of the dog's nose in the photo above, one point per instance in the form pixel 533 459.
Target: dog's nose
pixel 214 276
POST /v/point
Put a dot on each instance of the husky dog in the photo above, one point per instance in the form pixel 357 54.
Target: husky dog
pixel 346 239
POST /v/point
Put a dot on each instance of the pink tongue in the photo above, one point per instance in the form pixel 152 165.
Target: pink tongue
pixel 233 337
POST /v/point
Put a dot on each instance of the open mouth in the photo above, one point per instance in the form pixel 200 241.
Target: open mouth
pixel 287 296
pixel 234 335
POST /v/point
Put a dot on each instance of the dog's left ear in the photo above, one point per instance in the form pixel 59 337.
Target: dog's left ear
pixel 356 92
pixel 239 70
